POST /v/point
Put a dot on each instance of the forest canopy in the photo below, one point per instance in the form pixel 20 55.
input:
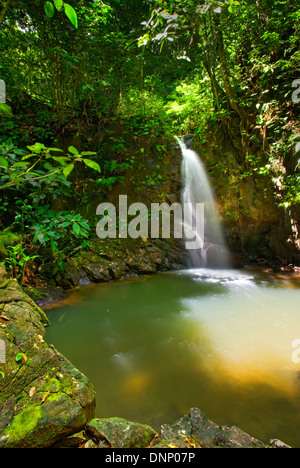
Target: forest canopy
pixel 160 67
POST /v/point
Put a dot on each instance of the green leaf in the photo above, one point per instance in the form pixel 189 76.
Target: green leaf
pixel 37 148
pixel 59 4
pixel 49 9
pixel 3 162
pixel 5 109
pixel 19 356
pixel 73 150
pixel 88 153
pixel 65 224
pixel 56 149
pixel 71 14
pixel 67 170
pixel 76 228
pixel 92 164
pixel 61 161
pixel 2 374
pixel 21 164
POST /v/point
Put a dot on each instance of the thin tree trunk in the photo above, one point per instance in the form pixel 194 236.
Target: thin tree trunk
pixel 3 12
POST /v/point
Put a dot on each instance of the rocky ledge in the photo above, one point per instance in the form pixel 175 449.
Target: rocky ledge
pixel 102 261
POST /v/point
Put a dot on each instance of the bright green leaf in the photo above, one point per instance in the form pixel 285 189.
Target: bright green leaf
pixel 67 170
pixel 73 150
pixel 71 14
pixel 49 9
pixel 19 356
pixel 21 164
pixel 61 161
pixel 59 4
pixel 88 153
pixel 56 149
pixel 3 162
pixel 92 164
pixel 76 228
pixel 37 148
pixel 5 109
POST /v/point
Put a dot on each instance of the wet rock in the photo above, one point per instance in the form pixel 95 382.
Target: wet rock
pixel 195 429
pixel 275 443
pixel 113 260
pixel 97 272
pixel 120 433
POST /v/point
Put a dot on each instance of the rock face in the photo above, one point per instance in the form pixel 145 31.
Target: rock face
pixel 42 395
pixel 257 227
pixel 109 260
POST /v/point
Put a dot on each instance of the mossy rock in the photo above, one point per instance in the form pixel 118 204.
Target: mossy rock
pixel 43 398
pixel 120 433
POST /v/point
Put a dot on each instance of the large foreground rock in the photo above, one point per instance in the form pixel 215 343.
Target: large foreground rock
pixel 42 396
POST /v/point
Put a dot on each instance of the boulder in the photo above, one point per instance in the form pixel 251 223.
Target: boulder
pixel 43 397
pixel 196 430
pixel 120 433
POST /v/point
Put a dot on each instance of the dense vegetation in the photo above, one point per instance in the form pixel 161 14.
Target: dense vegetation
pixel 154 68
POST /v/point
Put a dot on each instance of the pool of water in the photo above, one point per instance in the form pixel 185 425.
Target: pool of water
pixel 221 341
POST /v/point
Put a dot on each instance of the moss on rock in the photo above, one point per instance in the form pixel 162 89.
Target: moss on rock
pixel 43 398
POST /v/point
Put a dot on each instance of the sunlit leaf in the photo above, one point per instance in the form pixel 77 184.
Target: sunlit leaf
pixel 71 14
pixel 5 109
pixel 73 150
pixel 67 170
pixel 92 164
pixel 19 357
pixel 59 4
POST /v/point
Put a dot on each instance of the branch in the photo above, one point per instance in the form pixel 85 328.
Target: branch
pixel 3 12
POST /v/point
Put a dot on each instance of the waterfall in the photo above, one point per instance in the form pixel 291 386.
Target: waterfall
pixel 212 251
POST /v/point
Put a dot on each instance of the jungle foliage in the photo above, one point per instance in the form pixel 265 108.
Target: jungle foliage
pixel 158 67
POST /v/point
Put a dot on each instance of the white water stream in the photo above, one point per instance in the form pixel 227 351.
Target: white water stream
pixel 198 190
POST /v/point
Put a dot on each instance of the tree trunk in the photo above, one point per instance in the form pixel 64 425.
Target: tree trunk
pixel 232 98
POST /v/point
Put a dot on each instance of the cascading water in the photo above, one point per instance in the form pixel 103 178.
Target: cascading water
pixel 212 251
